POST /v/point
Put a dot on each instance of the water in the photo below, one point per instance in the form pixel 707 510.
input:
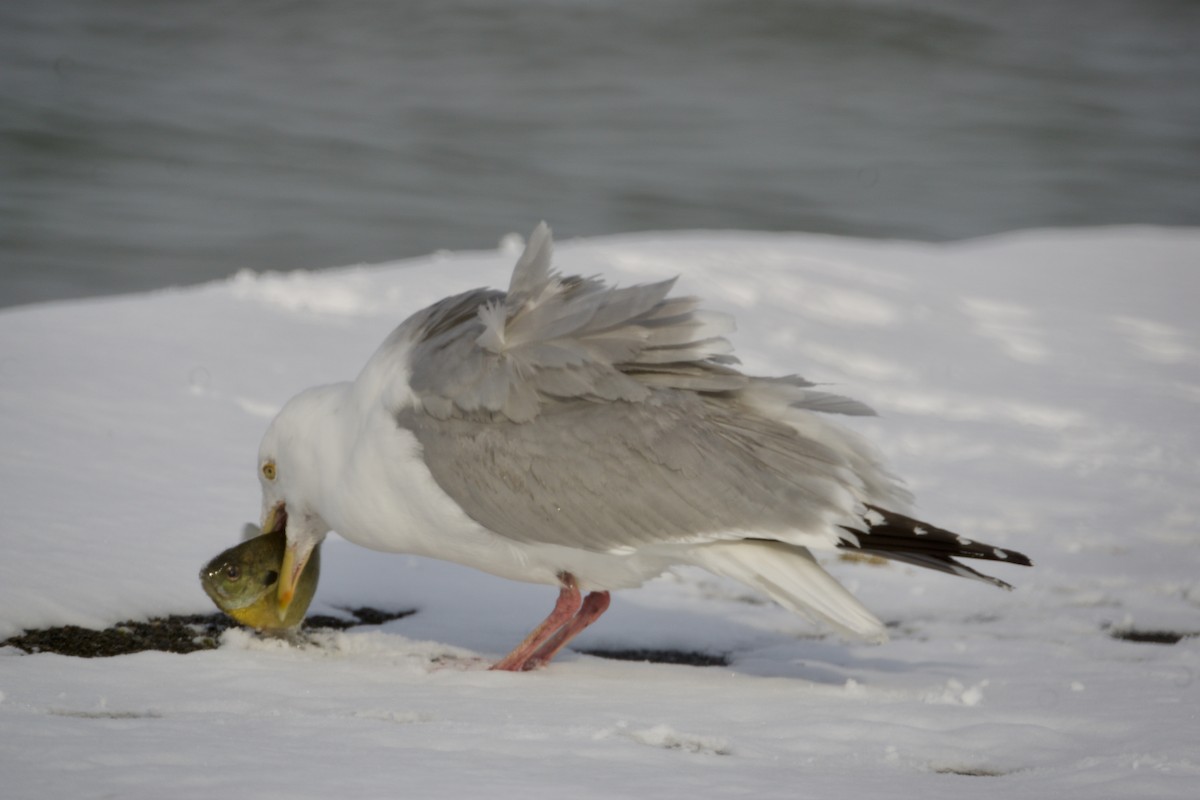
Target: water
pixel 147 144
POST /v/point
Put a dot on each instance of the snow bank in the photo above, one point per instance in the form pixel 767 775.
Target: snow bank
pixel 1038 390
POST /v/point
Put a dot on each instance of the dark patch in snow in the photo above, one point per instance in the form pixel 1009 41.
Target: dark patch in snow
pixel 373 616
pixel 688 657
pixel 975 772
pixel 173 634
pixel 325 622
pixel 62 712
pixel 1150 636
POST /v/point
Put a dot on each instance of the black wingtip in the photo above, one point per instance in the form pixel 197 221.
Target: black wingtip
pixel 895 536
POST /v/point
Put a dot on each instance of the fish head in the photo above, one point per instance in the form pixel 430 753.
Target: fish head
pixel 243 582
pixel 242 575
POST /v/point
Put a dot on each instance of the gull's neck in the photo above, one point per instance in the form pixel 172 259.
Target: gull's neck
pixel 384 380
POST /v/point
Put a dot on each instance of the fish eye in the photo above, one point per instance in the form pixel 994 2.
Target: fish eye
pixel 232 572
pixel 268 470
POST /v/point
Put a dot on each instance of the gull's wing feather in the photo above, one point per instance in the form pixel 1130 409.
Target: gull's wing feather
pixel 609 477
pixel 486 354
pixel 492 355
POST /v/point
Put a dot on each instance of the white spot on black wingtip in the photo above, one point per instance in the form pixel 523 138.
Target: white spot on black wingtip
pixel 919 531
pixel 964 541
pixel 1000 554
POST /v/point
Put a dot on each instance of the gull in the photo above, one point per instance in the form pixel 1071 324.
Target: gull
pixel 589 437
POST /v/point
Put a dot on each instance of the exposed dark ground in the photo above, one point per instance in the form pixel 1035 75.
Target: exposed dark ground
pixel 1145 636
pixel 173 634
pixel 192 632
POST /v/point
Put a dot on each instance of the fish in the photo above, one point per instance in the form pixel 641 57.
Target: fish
pixel 243 582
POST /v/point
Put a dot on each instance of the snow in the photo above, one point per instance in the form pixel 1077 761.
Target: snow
pixel 1038 390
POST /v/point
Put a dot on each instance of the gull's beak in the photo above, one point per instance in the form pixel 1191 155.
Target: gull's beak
pixel 295 558
pixel 275 519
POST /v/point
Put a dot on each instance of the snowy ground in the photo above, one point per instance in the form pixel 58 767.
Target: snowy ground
pixel 1039 391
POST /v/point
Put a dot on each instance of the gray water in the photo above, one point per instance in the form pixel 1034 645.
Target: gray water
pixel 147 143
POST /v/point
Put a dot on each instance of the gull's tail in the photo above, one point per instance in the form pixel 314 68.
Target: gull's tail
pixel 790 576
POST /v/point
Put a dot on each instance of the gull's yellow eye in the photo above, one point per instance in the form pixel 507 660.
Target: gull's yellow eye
pixel 268 470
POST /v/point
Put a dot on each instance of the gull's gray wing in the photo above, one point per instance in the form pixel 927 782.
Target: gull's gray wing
pixel 504 355
pixel 569 412
pixel 680 467
pixel 561 337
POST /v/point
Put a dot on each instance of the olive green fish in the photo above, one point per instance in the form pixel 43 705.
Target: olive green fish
pixel 243 582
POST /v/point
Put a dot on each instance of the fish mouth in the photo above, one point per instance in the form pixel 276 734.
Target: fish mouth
pixel 210 586
pixel 276 519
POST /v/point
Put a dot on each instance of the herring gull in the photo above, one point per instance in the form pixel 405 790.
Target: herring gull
pixel 588 437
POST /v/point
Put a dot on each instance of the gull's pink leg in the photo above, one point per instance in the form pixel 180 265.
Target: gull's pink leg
pixel 564 612
pixel 593 606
